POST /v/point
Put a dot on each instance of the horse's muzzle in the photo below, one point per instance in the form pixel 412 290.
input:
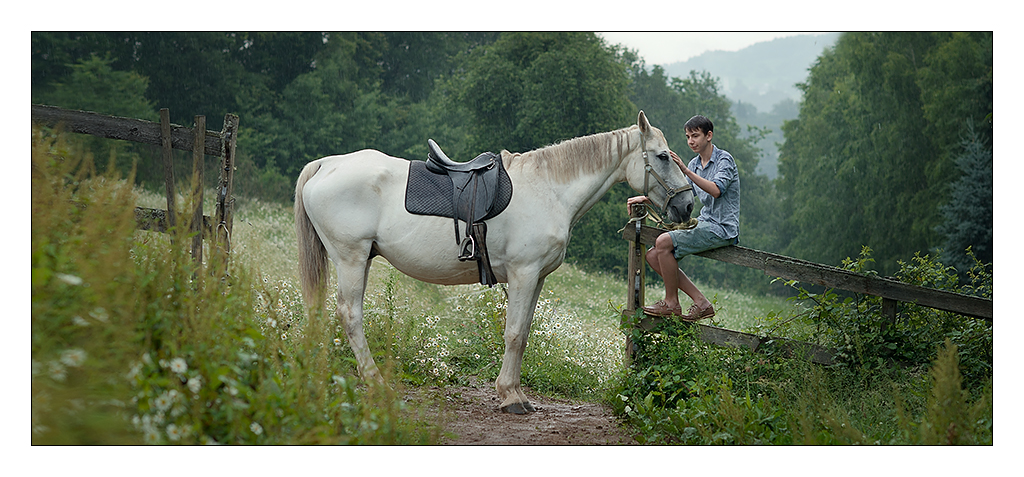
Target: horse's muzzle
pixel 679 209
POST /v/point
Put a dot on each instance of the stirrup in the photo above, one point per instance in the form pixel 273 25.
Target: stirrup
pixel 467 249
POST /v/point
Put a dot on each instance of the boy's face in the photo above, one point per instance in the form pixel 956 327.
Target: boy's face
pixel 698 141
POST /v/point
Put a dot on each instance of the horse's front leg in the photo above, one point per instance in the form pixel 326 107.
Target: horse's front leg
pixel 522 301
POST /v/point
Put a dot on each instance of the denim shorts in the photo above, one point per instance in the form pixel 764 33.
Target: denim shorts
pixel 697 239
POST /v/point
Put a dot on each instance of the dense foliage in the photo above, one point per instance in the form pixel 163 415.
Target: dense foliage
pixel 871 157
pixel 924 379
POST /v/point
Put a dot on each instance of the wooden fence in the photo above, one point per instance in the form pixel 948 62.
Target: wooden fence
pixel 197 139
pixel 892 292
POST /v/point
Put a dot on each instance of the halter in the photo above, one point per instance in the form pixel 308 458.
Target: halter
pixel 648 172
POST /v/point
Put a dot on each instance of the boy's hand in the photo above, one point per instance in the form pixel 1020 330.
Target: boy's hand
pixel 630 202
pixel 676 159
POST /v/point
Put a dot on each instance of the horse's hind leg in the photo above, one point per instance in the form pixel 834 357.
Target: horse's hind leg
pixel 352 276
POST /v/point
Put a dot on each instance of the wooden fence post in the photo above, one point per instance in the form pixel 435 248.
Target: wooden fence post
pixel 635 273
pixel 165 139
pixel 198 162
pixel 168 137
pixel 889 307
pixel 225 204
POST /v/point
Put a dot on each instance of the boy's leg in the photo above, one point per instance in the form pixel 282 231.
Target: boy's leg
pixel 662 257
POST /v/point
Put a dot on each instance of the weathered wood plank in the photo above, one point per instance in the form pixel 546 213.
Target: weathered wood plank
pixel 833 277
pixel 198 164
pixel 736 339
pixel 225 203
pixel 127 129
pixel 168 160
pixel 155 220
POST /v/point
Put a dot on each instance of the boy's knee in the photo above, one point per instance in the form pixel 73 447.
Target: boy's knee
pixel 664 243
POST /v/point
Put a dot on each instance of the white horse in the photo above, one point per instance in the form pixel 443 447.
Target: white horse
pixel 350 208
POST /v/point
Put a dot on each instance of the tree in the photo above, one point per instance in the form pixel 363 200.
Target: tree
pixel 865 162
pixel 528 90
pixel 91 85
pixel 967 217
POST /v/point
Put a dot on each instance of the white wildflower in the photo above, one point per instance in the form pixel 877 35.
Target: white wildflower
pixel 57 371
pixel 164 401
pixel 73 357
pixel 256 428
pixel 151 436
pixel 100 314
pixel 195 384
pixel 173 433
pixel 178 365
pixel 69 279
pixel 79 321
pixel 134 371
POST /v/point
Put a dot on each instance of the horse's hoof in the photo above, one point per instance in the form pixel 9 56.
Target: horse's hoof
pixel 516 408
pixel 529 407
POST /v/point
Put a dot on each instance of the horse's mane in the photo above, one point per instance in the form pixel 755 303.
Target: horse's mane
pixel 568 159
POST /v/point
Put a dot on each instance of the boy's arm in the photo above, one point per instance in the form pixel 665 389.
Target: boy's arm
pixel 704 184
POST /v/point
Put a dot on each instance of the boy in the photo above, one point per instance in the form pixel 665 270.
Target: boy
pixel 716 182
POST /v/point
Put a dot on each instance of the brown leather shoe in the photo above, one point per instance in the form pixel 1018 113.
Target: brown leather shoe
pixel 695 314
pixel 660 308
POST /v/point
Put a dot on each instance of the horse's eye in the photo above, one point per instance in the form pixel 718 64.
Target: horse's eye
pixel 663 156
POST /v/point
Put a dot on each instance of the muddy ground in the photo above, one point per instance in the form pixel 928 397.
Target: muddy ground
pixel 470 416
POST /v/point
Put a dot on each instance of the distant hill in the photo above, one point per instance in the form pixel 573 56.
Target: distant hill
pixel 760 81
pixel 761 74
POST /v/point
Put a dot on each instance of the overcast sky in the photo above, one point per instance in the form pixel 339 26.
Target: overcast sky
pixel 662 48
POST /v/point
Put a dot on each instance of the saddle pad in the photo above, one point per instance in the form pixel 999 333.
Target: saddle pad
pixel 427 193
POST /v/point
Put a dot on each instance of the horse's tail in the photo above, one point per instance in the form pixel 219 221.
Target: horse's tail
pixel 312 253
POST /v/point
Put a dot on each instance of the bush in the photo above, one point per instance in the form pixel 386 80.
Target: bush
pixel 680 389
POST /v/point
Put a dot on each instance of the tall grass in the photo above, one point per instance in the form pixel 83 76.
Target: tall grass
pixel 131 345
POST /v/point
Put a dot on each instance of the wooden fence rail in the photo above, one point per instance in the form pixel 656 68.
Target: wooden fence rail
pixel 891 291
pixel 200 141
pixel 127 129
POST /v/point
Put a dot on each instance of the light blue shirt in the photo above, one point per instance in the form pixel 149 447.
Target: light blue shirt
pixel 722 213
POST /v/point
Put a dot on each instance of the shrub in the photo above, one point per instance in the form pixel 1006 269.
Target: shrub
pixel 680 389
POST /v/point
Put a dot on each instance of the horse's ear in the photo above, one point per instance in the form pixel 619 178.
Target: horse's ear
pixel 641 120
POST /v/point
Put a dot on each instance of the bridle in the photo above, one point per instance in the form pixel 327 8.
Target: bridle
pixel 669 191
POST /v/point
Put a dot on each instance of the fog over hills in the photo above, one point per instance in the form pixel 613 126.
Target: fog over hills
pixel 760 80
pixel 761 74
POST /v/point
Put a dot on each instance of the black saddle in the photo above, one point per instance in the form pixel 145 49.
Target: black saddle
pixel 471 191
pixel 438 162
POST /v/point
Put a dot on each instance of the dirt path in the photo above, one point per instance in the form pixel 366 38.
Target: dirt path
pixel 472 417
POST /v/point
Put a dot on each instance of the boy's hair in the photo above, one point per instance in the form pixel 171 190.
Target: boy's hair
pixel 699 123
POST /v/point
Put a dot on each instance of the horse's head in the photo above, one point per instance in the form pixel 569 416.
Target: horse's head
pixel 653 173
